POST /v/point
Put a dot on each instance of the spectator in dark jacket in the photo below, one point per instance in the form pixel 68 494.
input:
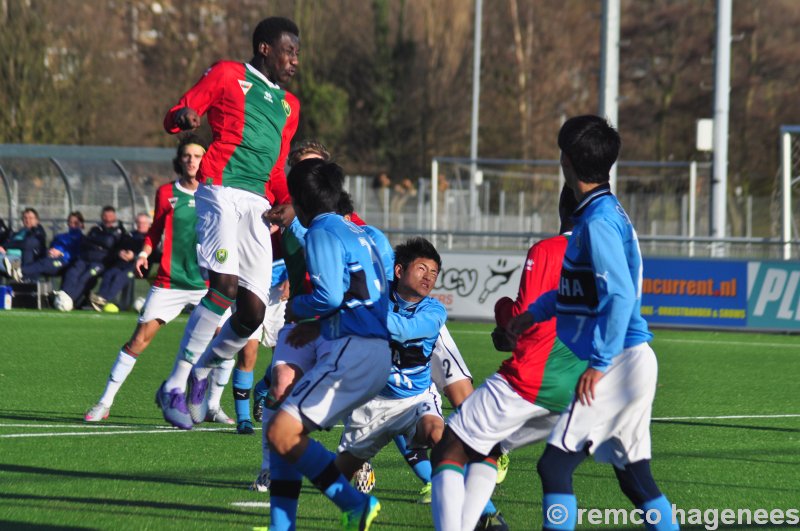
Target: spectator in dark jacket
pixel 63 251
pixel 25 245
pixel 121 272
pixel 98 251
pixel 4 230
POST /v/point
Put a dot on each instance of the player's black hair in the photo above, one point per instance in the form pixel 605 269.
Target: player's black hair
pixel 32 211
pixel 191 138
pixel 307 147
pixel 591 145
pixel 109 208
pixel 316 186
pixel 270 30
pixel 345 207
pixel 414 248
pixel 566 206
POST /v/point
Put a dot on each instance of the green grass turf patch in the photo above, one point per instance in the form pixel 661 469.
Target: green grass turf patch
pixel 132 472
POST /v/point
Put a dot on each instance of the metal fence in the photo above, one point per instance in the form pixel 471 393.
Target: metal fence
pixel 511 205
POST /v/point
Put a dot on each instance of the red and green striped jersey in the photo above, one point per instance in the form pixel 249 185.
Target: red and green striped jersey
pixel 542 369
pixel 174 221
pixel 253 121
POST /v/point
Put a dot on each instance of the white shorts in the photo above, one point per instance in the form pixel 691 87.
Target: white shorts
pixel 616 427
pixel 233 237
pixel 447 365
pixel 372 426
pixel 304 358
pixel 273 317
pixel 494 413
pixel 166 304
pixel 350 371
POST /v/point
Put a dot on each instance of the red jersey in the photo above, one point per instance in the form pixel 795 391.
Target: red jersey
pixel 253 121
pixel 174 221
pixel 541 370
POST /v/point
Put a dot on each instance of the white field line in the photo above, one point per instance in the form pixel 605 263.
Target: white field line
pixel 723 417
pixel 670 340
pixel 117 430
pixel 164 429
pixel 251 504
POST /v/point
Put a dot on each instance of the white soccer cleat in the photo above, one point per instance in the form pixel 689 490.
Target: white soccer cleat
pixel 97 413
pixel 218 416
pixel 261 484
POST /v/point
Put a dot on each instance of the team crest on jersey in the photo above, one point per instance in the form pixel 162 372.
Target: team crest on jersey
pixel 173 201
pixel 528 264
pixel 191 203
pixel 286 108
pixel 221 255
pixel 246 86
pixel 268 96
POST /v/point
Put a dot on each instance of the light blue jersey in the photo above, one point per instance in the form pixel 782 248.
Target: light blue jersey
pixel 413 329
pixel 349 283
pixel 598 301
pixel 279 273
pixel 384 250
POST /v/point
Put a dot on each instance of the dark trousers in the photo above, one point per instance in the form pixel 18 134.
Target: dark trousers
pixel 80 278
pixel 115 279
pixel 43 267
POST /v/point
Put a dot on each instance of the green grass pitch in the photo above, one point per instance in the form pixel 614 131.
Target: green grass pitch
pixel 726 435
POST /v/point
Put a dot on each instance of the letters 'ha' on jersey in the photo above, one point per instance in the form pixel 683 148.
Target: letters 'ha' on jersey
pixel 349 283
pixel 253 121
pixel 542 369
pixel 174 221
pixel 598 301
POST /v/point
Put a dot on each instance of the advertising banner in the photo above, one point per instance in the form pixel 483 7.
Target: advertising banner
pixel 470 283
pixel 675 291
pixel 773 295
pixel 684 292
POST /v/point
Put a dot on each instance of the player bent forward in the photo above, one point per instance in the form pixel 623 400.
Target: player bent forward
pixel 408 404
pixel 349 296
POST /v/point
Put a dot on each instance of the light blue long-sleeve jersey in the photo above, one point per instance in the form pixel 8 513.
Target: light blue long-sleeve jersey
pixel 413 329
pixel 349 283
pixel 599 297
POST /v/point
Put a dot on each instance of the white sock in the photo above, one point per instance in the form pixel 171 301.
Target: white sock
pixel 267 416
pixel 219 379
pixel 180 374
pixel 198 333
pixel 447 498
pixel 119 371
pixel 223 347
pixel 479 484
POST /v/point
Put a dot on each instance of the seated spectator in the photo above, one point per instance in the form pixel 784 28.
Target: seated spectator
pixel 4 230
pixel 121 272
pixel 25 245
pixel 63 251
pixel 98 251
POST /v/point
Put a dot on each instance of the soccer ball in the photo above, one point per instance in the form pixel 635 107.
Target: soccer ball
pixel 138 304
pixel 62 302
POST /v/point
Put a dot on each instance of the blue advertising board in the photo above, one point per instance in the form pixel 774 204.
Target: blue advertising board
pixel 688 292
